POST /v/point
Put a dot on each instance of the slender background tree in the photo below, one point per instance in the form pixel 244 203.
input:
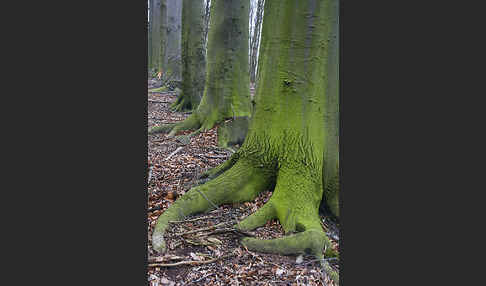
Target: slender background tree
pixel 256 18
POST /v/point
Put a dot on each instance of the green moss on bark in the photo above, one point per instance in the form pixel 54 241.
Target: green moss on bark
pixel 193 56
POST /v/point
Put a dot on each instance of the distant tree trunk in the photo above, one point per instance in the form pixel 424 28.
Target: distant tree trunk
pixel 155 34
pixel 161 57
pixel 173 43
pixel 292 143
pixel 158 35
pixel 150 43
pixel 207 15
pixel 255 40
pixel 193 56
pixel 226 92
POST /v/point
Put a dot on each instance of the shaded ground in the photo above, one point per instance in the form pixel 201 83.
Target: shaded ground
pixel 170 177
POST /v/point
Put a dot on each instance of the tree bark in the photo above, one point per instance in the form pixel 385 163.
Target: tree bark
pixel 155 34
pixel 193 56
pixel 173 44
pixel 206 23
pixel 255 40
pixel 150 42
pixel 226 92
pixel 158 35
pixel 330 168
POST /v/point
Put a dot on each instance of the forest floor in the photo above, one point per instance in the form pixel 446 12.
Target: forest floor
pixel 174 167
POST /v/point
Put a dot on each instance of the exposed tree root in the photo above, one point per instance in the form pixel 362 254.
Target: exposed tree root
pixel 243 182
pixel 218 170
pixel 194 122
pixel 163 128
pixel 296 210
pixel 190 123
pixel 181 104
pixel 259 218
pixel 294 202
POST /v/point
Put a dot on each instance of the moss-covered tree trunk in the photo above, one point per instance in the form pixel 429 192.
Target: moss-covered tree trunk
pixel 155 34
pixel 226 92
pixel 193 56
pixel 173 43
pixel 291 146
pixel 330 170
pixel 158 35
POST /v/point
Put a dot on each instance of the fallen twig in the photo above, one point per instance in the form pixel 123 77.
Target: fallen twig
pixel 224 230
pixel 189 220
pixel 163 259
pixel 173 153
pixel 317 260
pixel 193 262
pixel 156 208
pixel 216 156
pixel 150 175
pixel 202 229
pixel 157 101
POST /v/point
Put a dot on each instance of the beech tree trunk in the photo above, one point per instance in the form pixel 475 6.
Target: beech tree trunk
pixel 173 43
pixel 158 35
pixel 150 24
pixel 255 40
pixel 193 55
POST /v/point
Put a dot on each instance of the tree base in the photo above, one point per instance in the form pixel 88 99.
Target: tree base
pixel 233 132
pixel 182 104
pixel 229 134
pixel 294 202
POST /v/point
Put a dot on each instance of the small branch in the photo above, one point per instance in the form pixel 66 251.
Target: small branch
pixel 224 230
pixel 189 220
pixel 150 175
pixel 201 229
pixel 156 101
pixel 190 262
pixel 154 209
pixel 216 156
pixel 163 259
pixel 173 153
pixel 324 259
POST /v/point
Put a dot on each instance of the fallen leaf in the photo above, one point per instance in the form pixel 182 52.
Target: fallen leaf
pixel 195 257
pixel 299 259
